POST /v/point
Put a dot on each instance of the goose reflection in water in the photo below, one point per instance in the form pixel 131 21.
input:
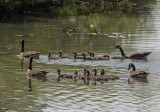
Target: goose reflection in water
pixel 132 80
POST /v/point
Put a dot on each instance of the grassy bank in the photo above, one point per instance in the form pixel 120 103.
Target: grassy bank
pixel 12 8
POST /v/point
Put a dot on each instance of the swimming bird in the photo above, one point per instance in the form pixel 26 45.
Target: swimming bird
pixel 63 75
pixel 60 55
pixel 137 55
pixel 52 57
pixel 77 57
pixel 108 77
pixel 35 73
pixel 105 57
pixel 27 54
pixel 137 73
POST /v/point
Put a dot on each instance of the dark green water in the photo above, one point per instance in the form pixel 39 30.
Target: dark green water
pixel 139 32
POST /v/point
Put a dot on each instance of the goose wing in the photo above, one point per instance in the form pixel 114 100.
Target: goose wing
pixel 30 53
pixel 118 57
pixel 38 73
pixel 138 73
pixel 138 55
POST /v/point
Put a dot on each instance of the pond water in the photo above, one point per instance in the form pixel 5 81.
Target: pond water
pixel 136 32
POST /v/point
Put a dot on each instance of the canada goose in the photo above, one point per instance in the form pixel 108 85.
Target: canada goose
pixel 52 57
pixel 137 73
pixel 84 57
pixel 138 55
pixel 77 57
pixel 91 53
pixel 105 57
pixel 63 75
pixel 78 76
pixel 95 57
pixel 103 77
pixel 60 55
pixel 108 77
pixel 35 73
pixel 27 54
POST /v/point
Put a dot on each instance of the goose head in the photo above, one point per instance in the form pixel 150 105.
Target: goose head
pixel 58 71
pixel 49 54
pixel 60 53
pixel 117 46
pixel 106 56
pixel 102 72
pixel 95 71
pixel 76 72
pixel 131 65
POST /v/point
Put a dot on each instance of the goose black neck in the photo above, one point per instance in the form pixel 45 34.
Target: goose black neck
pixel 134 68
pixel 22 50
pixel 95 72
pixel 60 54
pixel 75 55
pixel 121 50
pixel 92 54
pixel 30 86
pixel 49 55
pixel 84 72
pixel 30 63
pixel 102 73
pixel 59 72
pixel 84 56
pixel 88 73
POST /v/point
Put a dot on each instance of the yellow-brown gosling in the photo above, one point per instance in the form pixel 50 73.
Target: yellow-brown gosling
pixel 137 55
pixel 77 57
pixel 35 73
pixel 137 73
pixel 52 57
pixel 108 77
pixel 105 57
pixel 27 54
pixel 63 75
pixel 61 56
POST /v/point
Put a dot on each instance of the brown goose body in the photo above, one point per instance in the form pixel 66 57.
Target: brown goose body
pixel 52 57
pixel 35 73
pixel 137 55
pixel 63 75
pixel 27 54
pixel 117 57
pixel 137 73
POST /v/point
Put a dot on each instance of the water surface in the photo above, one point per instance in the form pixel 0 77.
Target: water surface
pixel 139 32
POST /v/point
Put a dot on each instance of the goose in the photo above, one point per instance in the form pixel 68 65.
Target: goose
pixel 78 76
pixel 137 55
pixel 108 77
pixel 60 55
pixel 35 73
pixel 52 57
pixel 27 54
pixel 90 53
pixel 94 58
pixel 105 57
pixel 137 73
pixel 77 57
pixel 63 75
